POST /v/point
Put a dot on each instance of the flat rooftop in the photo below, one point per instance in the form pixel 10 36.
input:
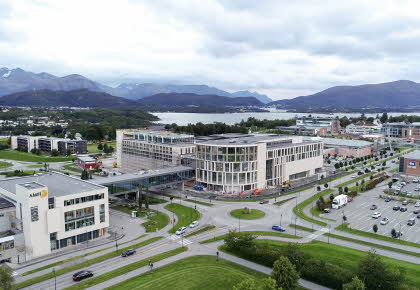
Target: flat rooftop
pixel 413 155
pixel 345 142
pixel 58 184
pixel 246 139
pixel 141 175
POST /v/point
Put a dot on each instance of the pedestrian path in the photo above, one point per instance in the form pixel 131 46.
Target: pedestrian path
pixel 179 240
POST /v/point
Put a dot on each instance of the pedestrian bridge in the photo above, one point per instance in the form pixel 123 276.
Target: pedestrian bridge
pixel 130 182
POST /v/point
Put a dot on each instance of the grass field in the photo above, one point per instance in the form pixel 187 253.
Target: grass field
pixel 159 220
pixel 202 230
pixel 256 233
pixel 5 164
pixel 83 264
pixel 284 201
pixel 373 245
pixel 71 167
pixel 185 215
pixel 298 210
pixel 252 215
pixel 189 273
pixel 316 212
pixel 376 236
pixel 29 157
pixel 350 258
pixel 125 269
pixel 199 202
pixel 36 166
pixel 93 148
pixel 299 227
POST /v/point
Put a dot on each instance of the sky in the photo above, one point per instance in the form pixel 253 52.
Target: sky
pixel 281 48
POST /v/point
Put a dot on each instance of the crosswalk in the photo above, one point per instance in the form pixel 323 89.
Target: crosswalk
pixel 318 233
pixel 179 240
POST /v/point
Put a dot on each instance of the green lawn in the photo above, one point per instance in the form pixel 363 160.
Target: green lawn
pixel 83 264
pixel 256 233
pixel 36 166
pixel 125 269
pixel 284 201
pixel 298 210
pixel 159 220
pixel 354 180
pixel 376 236
pixel 199 202
pixel 269 197
pixel 202 230
pixel 5 164
pixel 184 215
pixel 93 148
pixel 71 167
pixel 198 272
pixel 252 215
pixel 373 245
pixel 23 156
pixel 316 212
pixel 349 258
pixel 299 227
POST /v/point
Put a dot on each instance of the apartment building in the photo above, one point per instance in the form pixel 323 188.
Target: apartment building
pixel 147 149
pixel 236 163
pixel 53 211
pixel 346 147
pixel 47 144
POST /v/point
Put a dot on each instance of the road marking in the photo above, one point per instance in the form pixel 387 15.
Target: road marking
pixel 184 242
pixel 172 237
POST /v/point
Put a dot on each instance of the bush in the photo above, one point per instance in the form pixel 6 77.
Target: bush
pixel 325 274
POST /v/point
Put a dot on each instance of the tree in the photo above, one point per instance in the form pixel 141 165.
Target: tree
pixel 68 152
pixel 247 284
pixel 375 228
pixel 355 284
pixel 318 188
pixel 54 152
pixel 84 175
pixel 331 197
pixel 268 284
pixel 6 278
pixel 100 147
pixel 378 275
pixel 285 274
pixel 326 185
pixel 393 233
pixel 295 256
pixel 384 117
pixel 237 241
pixel 346 189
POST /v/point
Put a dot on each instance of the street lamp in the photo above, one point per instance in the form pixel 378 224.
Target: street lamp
pixel 239 223
pixel 295 225
pixel 281 217
pixel 55 279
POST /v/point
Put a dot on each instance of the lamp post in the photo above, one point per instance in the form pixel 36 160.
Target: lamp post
pixel 55 279
pixel 295 225
pixel 239 223
pixel 281 217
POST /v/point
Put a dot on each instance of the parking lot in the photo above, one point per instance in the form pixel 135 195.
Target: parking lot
pixel 359 215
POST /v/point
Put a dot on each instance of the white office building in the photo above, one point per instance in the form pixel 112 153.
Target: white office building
pixel 235 163
pixel 53 211
pixel 139 150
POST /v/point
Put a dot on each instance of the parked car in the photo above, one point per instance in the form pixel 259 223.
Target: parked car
pixel 417 204
pixel 376 215
pixel 411 222
pixel 396 207
pixel 384 221
pixel 404 202
pixel 415 180
pixel 264 201
pixel 418 216
pixel 181 231
pixel 403 209
pixel 193 224
pixel 373 207
pixel 388 199
pixel 82 275
pixel 327 210
pixel 417 211
pixel 397 234
pixel 278 228
pixel 128 253
pixel 349 199
pixel 353 176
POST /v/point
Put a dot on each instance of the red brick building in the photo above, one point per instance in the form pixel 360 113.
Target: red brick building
pixel 86 162
pixel 410 163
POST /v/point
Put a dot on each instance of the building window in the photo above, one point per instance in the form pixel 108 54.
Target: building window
pixel 102 213
pixel 34 214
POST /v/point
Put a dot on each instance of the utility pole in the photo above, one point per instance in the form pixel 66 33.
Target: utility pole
pixel 239 223
pixel 281 217
pixel 55 279
pixel 329 233
pixel 295 225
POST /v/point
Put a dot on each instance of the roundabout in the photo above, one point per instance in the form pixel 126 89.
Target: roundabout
pixel 247 213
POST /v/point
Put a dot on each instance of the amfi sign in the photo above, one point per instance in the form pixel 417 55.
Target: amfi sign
pixel 43 193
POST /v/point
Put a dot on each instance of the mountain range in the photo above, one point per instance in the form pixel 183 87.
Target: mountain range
pixel 19 80
pixel 402 94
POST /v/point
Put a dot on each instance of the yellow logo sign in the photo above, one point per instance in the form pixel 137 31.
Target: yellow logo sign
pixel 44 193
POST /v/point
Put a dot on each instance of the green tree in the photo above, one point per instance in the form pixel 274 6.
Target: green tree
pixel 377 275
pixel 326 185
pixel 237 241
pixel 54 152
pixel 331 197
pixel 384 117
pixel 268 284
pixel 100 147
pixel 247 284
pixel 295 255
pixel 375 228
pixel 355 284
pixel 6 278
pixel 285 274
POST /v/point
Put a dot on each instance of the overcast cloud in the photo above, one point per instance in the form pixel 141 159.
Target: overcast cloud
pixel 281 48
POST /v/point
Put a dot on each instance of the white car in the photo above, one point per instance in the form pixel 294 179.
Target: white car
pixel 376 215
pixel 415 180
pixel 181 231
pixel 353 176
pixel 417 204
pixel 194 224
pixel 384 221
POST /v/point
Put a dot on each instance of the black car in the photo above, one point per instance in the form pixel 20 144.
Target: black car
pixel 82 275
pixel 396 207
pixel 417 211
pixel 373 207
pixel 397 234
pixel 418 216
pixel 128 253
pixel 403 209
